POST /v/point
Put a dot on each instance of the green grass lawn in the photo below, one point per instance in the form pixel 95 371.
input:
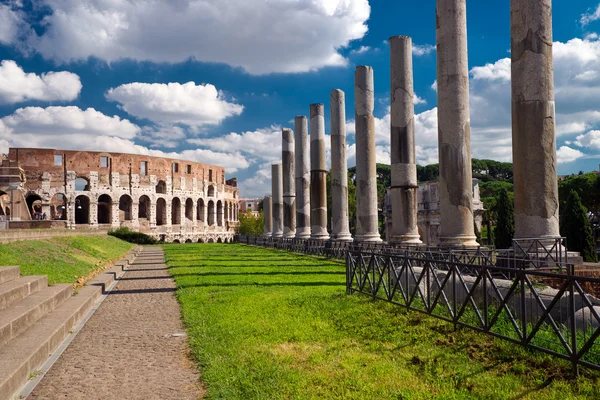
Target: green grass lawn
pixel 63 259
pixel 265 324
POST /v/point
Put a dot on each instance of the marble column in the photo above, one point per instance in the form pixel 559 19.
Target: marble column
pixel 367 227
pixel 268 217
pixel 318 174
pixel 302 167
pixel 533 123
pixel 289 186
pixel 277 202
pixel 454 132
pixel 340 228
pixel 402 135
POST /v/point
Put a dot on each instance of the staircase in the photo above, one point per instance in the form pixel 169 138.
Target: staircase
pixel 35 318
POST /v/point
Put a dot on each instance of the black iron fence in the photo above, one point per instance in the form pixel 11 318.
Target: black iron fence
pixel 529 295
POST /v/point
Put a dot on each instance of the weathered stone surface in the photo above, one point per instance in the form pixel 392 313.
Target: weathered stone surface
pixel 340 227
pixel 402 130
pixel 318 173
pixel 533 123
pixel 302 168
pixel 289 186
pixel 454 133
pixel 277 202
pixel 268 216
pixel 367 229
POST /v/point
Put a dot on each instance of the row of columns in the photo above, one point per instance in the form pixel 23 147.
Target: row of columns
pixel 294 203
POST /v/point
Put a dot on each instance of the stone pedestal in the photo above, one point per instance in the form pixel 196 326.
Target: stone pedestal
pixel 340 228
pixel 277 192
pixel 367 229
pixel 289 186
pixel 268 217
pixel 318 174
pixel 454 132
pixel 533 123
pixel 402 130
pixel 302 173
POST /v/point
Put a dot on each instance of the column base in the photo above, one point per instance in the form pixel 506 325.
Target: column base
pixel 458 241
pixel 320 237
pixel 369 237
pixel 277 235
pixel 302 235
pixel 406 239
pixel 346 237
pixel 290 235
pixel 268 235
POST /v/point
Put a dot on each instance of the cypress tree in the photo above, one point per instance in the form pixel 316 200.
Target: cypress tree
pixel 505 224
pixel 575 226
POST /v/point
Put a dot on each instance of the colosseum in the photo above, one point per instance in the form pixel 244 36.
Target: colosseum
pixel 171 200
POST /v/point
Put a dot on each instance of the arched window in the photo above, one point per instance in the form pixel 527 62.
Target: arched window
pixel 82 184
pixel 176 211
pixel 189 210
pixel 161 187
pixel 82 210
pixel 211 191
pixel 161 212
pixel 104 209
pixel 125 208
pixel 144 207
pixel 34 204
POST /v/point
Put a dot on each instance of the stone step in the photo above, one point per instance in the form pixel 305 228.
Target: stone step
pixel 21 315
pixel 27 352
pixel 8 274
pixel 18 289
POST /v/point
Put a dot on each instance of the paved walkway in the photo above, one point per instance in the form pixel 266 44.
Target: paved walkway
pixel 127 349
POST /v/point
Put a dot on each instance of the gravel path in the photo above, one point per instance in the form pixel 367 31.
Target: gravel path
pixel 127 349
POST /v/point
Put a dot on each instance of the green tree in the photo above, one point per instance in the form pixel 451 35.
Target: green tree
pixel 250 224
pixel 505 221
pixel 575 226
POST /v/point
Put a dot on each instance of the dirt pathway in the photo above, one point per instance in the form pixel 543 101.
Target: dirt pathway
pixel 132 347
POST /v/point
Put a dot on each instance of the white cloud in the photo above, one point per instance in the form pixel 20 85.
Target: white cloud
pixel 11 24
pixel 566 155
pixel 261 36
pixel 590 17
pixel 434 86
pixel 174 103
pixel 422 50
pixel 417 100
pixel 500 70
pixel 590 140
pixel 17 86
pixel 360 50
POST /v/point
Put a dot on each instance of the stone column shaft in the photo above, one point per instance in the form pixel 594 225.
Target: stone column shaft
pixel 268 217
pixel 340 227
pixel 454 132
pixel 402 130
pixel 302 174
pixel 289 186
pixel 277 191
pixel 318 173
pixel 533 123
pixel 367 226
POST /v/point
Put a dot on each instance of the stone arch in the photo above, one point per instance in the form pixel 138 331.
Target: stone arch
pixel 58 207
pixel 189 210
pixel 219 213
pixel 200 211
pixel 82 210
pixel 125 208
pixel 104 209
pixel 210 240
pixel 34 205
pixel 200 240
pixel 161 187
pixel 219 240
pixel 188 241
pixel 82 184
pixel 211 213
pixel 176 241
pixel 161 212
pixel 211 191
pixel 144 207
pixel 175 211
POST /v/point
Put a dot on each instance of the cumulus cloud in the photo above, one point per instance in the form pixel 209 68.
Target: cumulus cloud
pixel 566 154
pixel 590 140
pixel 361 50
pixel 422 50
pixel 590 16
pixel 17 86
pixel 174 103
pixel 262 36
pixel 11 24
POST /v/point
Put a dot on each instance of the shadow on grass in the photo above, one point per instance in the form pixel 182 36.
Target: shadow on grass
pixel 203 285
pixel 261 273
pixel 265 265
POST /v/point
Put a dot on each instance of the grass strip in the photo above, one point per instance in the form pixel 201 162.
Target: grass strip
pixel 66 259
pixel 285 329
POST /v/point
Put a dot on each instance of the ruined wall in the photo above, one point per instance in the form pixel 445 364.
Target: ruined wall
pixel 166 198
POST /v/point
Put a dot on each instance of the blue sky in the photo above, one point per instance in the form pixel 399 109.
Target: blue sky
pixel 215 81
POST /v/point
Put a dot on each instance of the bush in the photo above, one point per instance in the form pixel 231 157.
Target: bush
pixel 130 236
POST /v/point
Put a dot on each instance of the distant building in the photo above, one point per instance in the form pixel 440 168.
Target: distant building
pixel 429 211
pixel 250 204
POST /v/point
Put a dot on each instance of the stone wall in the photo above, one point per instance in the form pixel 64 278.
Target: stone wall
pixel 165 198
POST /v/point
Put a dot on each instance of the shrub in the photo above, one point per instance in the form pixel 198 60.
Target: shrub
pixel 130 236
